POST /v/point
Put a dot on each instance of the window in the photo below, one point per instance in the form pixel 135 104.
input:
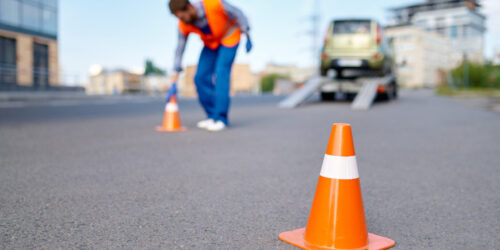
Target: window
pixel 440 22
pixel 31 16
pixel 441 31
pixel 351 27
pixel 453 31
pixel 460 18
pixel 49 21
pixel 421 23
pixel 405 37
pixel 7 51
pixel 50 3
pixel 404 47
pixel 32 1
pixel 9 12
pixel 40 65
pixel 464 31
pixel 8 61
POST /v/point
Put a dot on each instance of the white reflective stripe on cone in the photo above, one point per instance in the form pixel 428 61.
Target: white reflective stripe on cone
pixel 171 107
pixel 339 167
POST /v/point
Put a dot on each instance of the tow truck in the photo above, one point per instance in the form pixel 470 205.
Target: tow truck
pixel 362 90
pixel 356 61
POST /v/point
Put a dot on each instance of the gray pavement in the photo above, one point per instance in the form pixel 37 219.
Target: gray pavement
pixel 98 175
pixel 10 96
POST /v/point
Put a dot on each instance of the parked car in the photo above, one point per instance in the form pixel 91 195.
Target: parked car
pixel 356 45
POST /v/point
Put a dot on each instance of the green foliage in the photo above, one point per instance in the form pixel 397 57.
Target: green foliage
pixel 268 81
pixel 443 90
pixel 151 69
pixel 469 92
pixel 480 76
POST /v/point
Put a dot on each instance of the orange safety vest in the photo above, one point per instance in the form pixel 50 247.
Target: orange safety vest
pixel 224 31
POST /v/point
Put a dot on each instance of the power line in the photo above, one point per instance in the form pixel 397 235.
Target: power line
pixel 315 33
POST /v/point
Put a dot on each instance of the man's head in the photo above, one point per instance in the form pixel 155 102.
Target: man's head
pixel 183 10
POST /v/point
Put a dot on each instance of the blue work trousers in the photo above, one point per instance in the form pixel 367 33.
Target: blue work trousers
pixel 212 81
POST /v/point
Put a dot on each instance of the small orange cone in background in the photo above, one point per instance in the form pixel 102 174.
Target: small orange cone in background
pixel 171 119
pixel 337 218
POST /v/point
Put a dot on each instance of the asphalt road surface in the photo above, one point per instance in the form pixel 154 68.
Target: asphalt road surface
pixel 78 175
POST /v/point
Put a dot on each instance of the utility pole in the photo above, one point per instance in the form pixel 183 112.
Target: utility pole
pixel 466 71
pixel 315 33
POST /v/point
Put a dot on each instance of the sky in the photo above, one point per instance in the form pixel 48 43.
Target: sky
pixel 123 34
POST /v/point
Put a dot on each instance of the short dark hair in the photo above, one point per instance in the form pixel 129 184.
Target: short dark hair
pixel 176 5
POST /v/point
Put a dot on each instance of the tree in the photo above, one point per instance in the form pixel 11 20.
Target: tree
pixel 151 69
pixel 268 81
pixel 479 75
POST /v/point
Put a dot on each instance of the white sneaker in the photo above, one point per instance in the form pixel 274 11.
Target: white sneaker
pixel 216 126
pixel 204 123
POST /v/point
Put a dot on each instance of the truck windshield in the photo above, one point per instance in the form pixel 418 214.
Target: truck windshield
pixel 351 27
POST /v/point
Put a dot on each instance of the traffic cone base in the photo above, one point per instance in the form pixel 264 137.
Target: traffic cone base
pixel 337 219
pixel 162 129
pixel 171 118
pixel 296 238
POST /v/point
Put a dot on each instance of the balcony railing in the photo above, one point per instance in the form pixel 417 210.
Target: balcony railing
pixel 13 78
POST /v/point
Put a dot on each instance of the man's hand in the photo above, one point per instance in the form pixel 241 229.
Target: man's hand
pixel 172 90
pixel 175 77
pixel 249 44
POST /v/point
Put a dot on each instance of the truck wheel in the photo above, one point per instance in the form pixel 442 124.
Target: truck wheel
pixel 323 71
pixel 327 96
pixel 383 97
pixel 381 72
pixel 395 90
pixel 340 74
pixel 350 96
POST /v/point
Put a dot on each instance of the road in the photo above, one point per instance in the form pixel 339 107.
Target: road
pixel 79 175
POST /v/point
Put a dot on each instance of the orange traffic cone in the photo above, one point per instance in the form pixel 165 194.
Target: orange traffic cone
pixel 337 219
pixel 171 119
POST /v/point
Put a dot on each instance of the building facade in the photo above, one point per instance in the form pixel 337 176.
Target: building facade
pixel 114 82
pixel 458 20
pixel 421 57
pixel 496 56
pixel 242 80
pixel 28 44
pixel 296 74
